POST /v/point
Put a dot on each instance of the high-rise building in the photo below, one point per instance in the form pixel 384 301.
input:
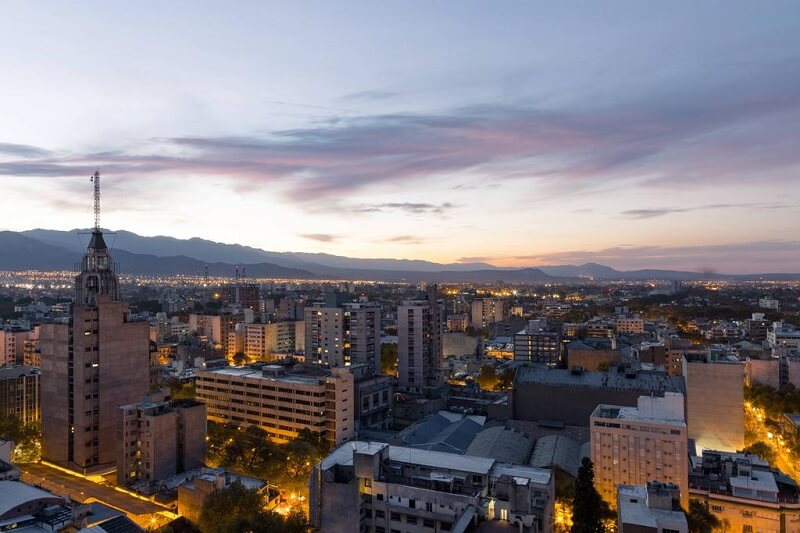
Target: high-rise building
pixel 91 365
pixel 419 342
pixel 12 346
pixel 486 311
pixel 636 445
pixel 160 439
pixel 345 335
pixel 539 342
pixel 715 403
pixel 19 392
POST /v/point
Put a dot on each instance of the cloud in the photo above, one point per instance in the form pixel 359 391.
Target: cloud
pixel 368 96
pixel 405 239
pixel 739 132
pixel 22 150
pixel 320 237
pixel 661 211
pixel 415 208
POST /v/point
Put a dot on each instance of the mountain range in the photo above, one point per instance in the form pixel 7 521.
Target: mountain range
pixel 42 249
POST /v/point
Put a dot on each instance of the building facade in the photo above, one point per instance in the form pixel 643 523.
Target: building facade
pixel 486 311
pixel 261 341
pixel 20 393
pixel 159 440
pixel 420 342
pixel 634 446
pixel 715 404
pixel 281 402
pixel 539 342
pixel 376 487
pixel 344 335
pixel 90 366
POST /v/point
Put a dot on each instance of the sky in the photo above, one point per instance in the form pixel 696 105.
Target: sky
pixel 632 134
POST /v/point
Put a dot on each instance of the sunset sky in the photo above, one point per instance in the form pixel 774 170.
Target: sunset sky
pixel 633 134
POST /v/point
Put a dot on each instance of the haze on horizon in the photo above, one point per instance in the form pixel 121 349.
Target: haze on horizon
pixel 636 135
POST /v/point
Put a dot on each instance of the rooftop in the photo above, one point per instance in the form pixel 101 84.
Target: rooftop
pixel 658 382
pixel 14 493
pixel 251 373
pixel 16 371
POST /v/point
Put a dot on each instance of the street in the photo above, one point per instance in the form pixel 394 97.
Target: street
pixel 81 489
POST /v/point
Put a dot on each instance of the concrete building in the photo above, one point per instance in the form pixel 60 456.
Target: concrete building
pixel 636 445
pixel 539 342
pixel 20 393
pixel 261 341
pixel 769 303
pixel 457 323
pixel 571 396
pixel 215 329
pixel 369 486
pixel 594 354
pixel 160 439
pixel 90 366
pixel 743 492
pixel 655 508
pixel 715 403
pixel 12 345
pixel 756 327
pixel 247 295
pixel 783 336
pixel 345 335
pixel 374 399
pixel 629 325
pixel 281 402
pixel 486 311
pixel 420 342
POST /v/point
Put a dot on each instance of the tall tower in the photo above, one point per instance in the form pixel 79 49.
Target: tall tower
pixel 92 365
pixel 419 342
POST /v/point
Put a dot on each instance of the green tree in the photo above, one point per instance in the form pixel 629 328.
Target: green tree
pixel 237 508
pixel 589 509
pixel 389 359
pixel 700 519
pixel 488 378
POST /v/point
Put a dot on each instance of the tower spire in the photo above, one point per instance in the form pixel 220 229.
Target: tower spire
pixel 96 179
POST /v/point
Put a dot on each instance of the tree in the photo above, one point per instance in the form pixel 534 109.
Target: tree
pixel 487 378
pixel 237 508
pixel 763 450
pixel 700 519
pixel 589 509
pixel 389 359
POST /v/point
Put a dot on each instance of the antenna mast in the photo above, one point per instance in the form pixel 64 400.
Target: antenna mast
pixel 96 179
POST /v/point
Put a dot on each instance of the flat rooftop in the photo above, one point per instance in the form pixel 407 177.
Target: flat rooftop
pixel 15 371
pixel 632 414
pixel 636 381
pixel 251 373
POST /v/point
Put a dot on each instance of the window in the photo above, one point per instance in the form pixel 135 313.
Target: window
pixel 380 497
pixel 395 517
pixel 412 504
pixel 717 508
pixel 411 519
pixel 427 522
pixel 380 514
pixel 747 528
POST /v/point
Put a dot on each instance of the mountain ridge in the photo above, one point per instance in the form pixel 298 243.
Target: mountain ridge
pixel 44 249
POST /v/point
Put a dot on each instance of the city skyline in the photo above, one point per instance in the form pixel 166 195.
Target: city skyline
pixel 525 137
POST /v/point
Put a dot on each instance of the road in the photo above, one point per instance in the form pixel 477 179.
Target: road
pixel 83 490
pixel 755 419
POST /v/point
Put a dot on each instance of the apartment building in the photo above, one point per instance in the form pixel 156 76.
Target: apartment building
pixel 743 492
pixel 486 311
pixel 457 322
pixel 629 325
pixel 634 446
pixel 160 439
pixel 380 488
pixel 261 341
pixel 280 401
pixel 539 342
pixel 12 346
pixel 344 335
pixel 20 393
pixel 420 342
